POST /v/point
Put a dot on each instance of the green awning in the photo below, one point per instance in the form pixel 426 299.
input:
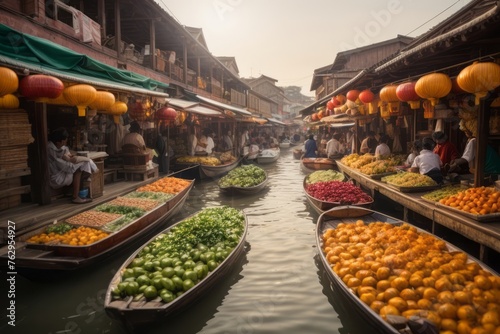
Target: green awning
pixel 43 56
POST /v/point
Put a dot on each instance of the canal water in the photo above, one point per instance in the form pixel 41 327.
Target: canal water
pixel 277 286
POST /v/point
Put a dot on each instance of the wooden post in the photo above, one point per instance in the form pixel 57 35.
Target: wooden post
pixel 185 55
pixel 118 30
pixel 483 131
pixel 40 185
pixel 152 44
pixel 101 17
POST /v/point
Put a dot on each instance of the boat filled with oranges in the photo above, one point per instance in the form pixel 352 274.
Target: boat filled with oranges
pixel 401 278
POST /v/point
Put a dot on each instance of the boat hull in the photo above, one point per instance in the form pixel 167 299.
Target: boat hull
pixel 134 314
pixel 41 257
pixel 217 171
pixel 245 190
pixel 272 156
pixel 349 215
pixel 310 165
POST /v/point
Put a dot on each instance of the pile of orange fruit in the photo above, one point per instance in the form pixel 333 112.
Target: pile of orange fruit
pixel 398 270
pixel 169 185
pixel 80 236
pixel 478 200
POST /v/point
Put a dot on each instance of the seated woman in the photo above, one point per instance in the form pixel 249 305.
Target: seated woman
pixel 415 150
pixel 66 169
pixel 427 162
pixel 133 142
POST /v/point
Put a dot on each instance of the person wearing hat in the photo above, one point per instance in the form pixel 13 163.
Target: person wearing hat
pixel 427 162
pixel 444 148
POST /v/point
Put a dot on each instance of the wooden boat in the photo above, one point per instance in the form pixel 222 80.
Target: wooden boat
pixel 268 156
pixel 297 153
pixel 43 257
pixel 310 165
pixel 245 190
pixel 207 171
pixel 135 313
pixel 395 324
pixel 322 206
pixel 285 143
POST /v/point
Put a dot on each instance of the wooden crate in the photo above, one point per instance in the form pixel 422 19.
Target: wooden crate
pixel 138 175
pixel 10 202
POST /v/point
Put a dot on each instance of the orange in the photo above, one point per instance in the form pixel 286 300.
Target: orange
pixel 383 273
pixel 388 310
pixel 424 304
pixel 447 310
pixel 490 317
pixel 430 294
pixel 390 293
pixel 400 283
pixel 449 325
pixel 367 298
pixel 409 294
pixel 463 297
pixel 464 327
pixel 398 303
pixel 466 312
pixel 482 282
pixel 445 297
pixel 383 285
pixel 377 305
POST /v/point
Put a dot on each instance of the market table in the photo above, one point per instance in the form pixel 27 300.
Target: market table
pixel 486 234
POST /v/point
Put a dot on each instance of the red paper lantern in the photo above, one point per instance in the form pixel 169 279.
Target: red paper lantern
pixel 336 102
pixel 329 105
pixel 40 87
pixel 352 95
pixel 406 93
pixel 166 114
pixel 366 96
pixel 314 117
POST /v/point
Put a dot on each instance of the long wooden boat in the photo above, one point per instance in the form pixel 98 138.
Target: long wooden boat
pixel 394 324
pixel 322 206
pixel 60 257
pixel 268 156
pixel 285 143
pixel 219 170
pixel 245 190
pixel 134 313
pixel 310 165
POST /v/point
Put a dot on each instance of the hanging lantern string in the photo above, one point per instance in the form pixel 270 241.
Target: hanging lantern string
pixel 465 63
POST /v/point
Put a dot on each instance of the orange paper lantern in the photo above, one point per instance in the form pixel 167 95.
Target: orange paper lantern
pixel 433 87
pixel 81 96
pixel 9 82
pixel 9 101
pixel 103 101
pixel 117 109
pixel 479 79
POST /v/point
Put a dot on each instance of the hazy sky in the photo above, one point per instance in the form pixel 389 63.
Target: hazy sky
pixel 288 39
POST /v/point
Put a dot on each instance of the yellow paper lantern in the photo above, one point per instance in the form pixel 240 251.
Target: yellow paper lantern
pixel 103 100
pixel 433 87
pixel 388 94
pixel 117 109
pixel 81 96
pixel 9 101
pixel 479 79
pixel 9 82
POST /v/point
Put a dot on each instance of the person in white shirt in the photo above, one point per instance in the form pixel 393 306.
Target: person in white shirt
pixel 334 148
pixel 382 149
pixel 192 142
pixel 427 162
pixel 227 142
pixel 415 150
pixel 205 143
pixel 368 144
pixel 464 164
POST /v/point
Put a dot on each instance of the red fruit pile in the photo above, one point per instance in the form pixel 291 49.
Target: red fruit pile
pixel 338 192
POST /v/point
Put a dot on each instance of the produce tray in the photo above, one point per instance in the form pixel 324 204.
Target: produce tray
pixel 491 217
pixel 404 189
pixel 379 176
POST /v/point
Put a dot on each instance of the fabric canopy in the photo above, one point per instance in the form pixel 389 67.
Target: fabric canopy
pixel 224 106
pixel 45 54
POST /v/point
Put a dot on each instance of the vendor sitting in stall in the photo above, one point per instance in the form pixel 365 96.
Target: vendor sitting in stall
pixel 428 162
pixel 65 169
pixel 133 142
